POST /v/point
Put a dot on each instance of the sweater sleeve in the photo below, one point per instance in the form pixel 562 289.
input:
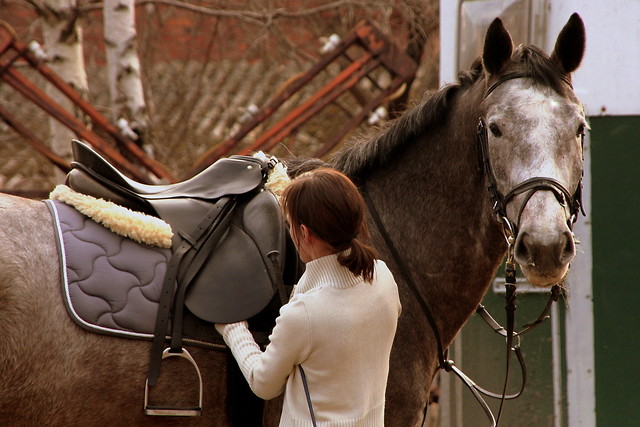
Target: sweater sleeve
pixel 267 372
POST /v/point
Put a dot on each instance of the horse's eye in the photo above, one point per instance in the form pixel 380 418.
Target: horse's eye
pixel 495 130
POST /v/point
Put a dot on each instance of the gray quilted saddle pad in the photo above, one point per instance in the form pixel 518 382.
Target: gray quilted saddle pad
pixel 111 285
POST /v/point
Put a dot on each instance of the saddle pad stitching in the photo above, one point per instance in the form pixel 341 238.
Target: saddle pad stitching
pixel 65 280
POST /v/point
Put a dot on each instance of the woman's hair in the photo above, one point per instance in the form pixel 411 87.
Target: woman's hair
pixel 329 204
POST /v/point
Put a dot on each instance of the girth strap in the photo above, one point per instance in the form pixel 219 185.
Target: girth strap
pixel 204 247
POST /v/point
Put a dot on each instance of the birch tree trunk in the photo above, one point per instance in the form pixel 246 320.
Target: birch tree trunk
pixel 123 65
pixel 62 36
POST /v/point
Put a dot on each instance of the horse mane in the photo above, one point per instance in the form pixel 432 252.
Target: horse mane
pixel 374 149
pixel 369 152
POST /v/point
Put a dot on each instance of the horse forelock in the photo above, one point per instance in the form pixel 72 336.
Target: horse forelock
pixel 543 70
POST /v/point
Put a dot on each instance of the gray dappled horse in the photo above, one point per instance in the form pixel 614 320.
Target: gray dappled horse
pixel 423 176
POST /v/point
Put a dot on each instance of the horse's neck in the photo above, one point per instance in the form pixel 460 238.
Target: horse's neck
pixel 433 203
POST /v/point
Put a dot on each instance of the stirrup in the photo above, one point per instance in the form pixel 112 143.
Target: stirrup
pixel 168 411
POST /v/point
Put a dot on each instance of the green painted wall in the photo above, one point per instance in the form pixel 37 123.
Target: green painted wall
pixel 483 359
pixel 615 178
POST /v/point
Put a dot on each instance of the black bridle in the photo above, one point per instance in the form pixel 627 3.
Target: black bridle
pixel 510 230
pixel 529 186
pixel 499 201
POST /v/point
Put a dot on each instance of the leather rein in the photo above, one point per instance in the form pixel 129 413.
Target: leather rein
pixel 510 230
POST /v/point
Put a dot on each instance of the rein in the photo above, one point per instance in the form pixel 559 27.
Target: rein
pixel 510 230
pixel 446 364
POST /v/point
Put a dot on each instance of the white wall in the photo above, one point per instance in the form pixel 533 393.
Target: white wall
pixel 448 40
pixel 608 81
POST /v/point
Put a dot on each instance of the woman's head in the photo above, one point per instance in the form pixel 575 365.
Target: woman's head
pixel 329 205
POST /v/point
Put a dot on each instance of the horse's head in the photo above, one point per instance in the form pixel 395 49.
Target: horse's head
pixel 532 126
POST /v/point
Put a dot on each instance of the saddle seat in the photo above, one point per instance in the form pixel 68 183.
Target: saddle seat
pixel 177 204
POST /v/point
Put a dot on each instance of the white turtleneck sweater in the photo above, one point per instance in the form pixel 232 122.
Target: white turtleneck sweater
pixel 340 329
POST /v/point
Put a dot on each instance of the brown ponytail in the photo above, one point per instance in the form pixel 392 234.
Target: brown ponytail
pixel 329 204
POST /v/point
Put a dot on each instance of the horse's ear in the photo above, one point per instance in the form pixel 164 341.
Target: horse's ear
pixel 498 47
pixel 569 48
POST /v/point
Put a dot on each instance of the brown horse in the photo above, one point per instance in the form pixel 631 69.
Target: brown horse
pixel 423 175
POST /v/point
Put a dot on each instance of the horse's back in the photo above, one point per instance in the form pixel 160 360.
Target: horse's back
pixel 28 257
pixel 53 372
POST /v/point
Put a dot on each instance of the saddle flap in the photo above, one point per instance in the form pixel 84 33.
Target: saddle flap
pixel 238 279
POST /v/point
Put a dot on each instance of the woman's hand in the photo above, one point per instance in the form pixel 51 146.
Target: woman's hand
pixel 220 327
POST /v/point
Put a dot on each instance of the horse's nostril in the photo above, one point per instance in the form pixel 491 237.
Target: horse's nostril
pixel 544 254
pixel 522 252
pixel 569 248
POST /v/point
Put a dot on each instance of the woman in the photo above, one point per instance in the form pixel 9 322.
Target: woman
pixel 340 322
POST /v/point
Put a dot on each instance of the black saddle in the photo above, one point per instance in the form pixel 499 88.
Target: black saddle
pixel 232 256
pixel 178 204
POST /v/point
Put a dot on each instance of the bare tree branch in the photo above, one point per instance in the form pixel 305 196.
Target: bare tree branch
pixel 257 18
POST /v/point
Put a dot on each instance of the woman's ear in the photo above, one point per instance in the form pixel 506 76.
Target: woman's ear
pixel 305 233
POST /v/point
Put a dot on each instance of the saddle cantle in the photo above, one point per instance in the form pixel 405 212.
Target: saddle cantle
pixel 231 253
